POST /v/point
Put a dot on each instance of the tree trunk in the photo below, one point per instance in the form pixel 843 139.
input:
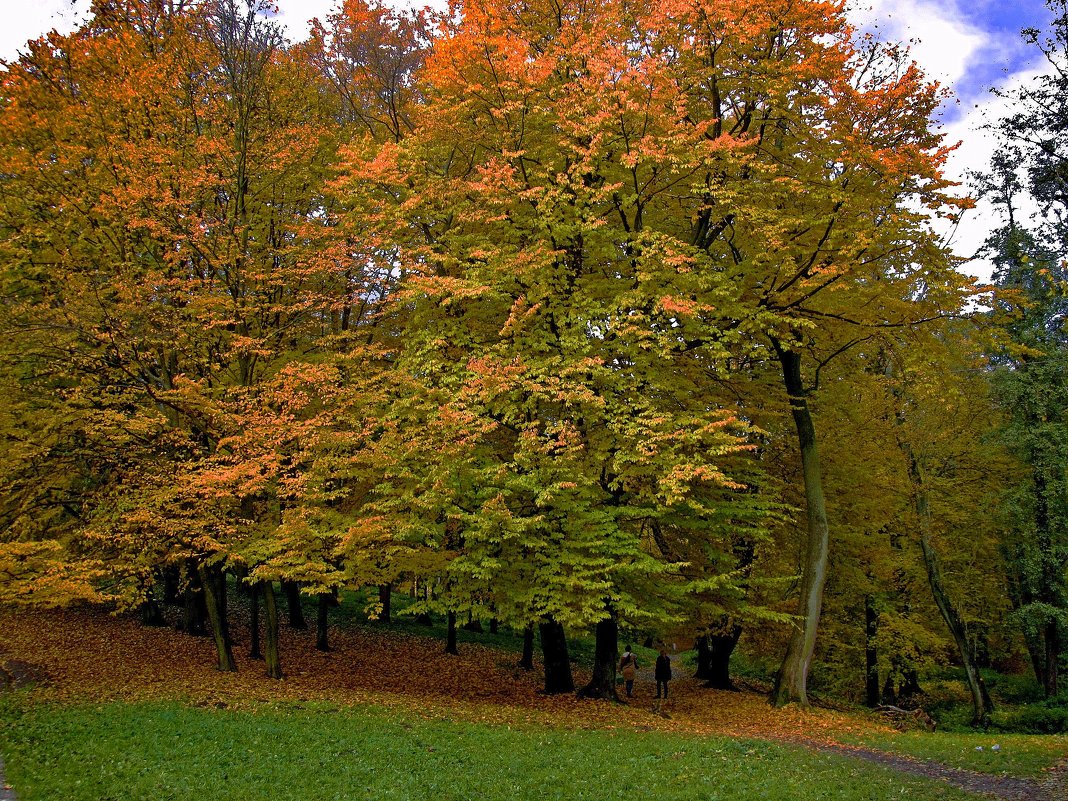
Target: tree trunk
pixel 526 662
pixel 718 665
pixel 322 642
pixel 494 624
pixel 213 583
pixel 871 654
pixel 254 621
pixel 791 683
pixel 981 705
pixel 1051 566
pixel 172 582
pixel 151 611
pixel 1053 655
pixel 554 654
pixel 274 662
pixel 910 687
pixel 473 625
pixel 195 611
pixel 605 658
pixel 704 658
pixel 906 695
pixel 450 635
pixel 296 610
pixel 385 598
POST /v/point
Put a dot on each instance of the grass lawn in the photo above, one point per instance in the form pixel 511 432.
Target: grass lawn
pixel 166 750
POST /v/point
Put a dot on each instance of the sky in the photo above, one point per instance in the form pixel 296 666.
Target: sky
pixel 969 46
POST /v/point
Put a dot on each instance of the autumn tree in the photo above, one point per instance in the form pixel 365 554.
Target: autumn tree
pixel 818 218
pixel 158 165
pixel 541 319
pixel 516 347
pixel 943 431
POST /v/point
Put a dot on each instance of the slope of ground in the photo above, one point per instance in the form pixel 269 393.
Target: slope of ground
pixel 82 655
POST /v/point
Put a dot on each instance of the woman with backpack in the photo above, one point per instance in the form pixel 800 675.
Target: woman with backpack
pixel 628 666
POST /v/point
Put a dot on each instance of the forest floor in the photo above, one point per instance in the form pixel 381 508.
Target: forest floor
pixel 83 656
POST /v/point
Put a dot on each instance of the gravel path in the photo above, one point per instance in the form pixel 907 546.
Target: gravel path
pixel 6 793
pixel 1052 788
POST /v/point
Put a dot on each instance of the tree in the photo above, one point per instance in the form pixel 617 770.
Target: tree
pixel 1028 252
pixel 940 437
pixel 158 166
pixel 832 255
pixel 540 322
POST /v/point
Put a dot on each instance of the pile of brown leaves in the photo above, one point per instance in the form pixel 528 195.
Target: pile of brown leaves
pixel 90 656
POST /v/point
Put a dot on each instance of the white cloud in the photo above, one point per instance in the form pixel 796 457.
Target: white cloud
pixel 28 19
pixel 957 53
pixel 25 20
pixel 978 144
pixel 295 14
pixel 941 40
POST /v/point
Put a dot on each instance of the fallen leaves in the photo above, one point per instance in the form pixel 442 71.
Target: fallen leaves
pixel 92 657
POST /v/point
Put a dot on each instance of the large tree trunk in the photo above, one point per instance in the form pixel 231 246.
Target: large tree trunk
pixel 527 660
pixel 450 635
pixel 195 610
pixel 296 610
pixel 1051 565
pixel 554 655
pixel 385 597
pixel 274 661
pixel 871 653
pixel 1053 656
pixel 704 658
pixel 981 703
pixel 605 657
pixel 213 583
pixel 322 642
pixel 151 611
pixel 714 653
pixel 254 621
pixel 172 582
pixel 791 683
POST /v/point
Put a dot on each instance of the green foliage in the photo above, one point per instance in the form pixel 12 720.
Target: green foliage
pixel 314 753
pixel 1049 716
pixel 1031 271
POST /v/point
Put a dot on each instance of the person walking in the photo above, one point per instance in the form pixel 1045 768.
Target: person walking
pixel 662 673
pixel 628 666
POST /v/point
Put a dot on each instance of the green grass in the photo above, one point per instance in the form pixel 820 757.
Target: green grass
pixel 164 751
pixel 1019 755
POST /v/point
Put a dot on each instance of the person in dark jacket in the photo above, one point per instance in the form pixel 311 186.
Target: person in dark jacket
pixel 628 666
pixel 662 674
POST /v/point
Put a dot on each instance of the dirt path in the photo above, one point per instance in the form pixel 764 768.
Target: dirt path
pixel 1002 787
pixel 6 793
